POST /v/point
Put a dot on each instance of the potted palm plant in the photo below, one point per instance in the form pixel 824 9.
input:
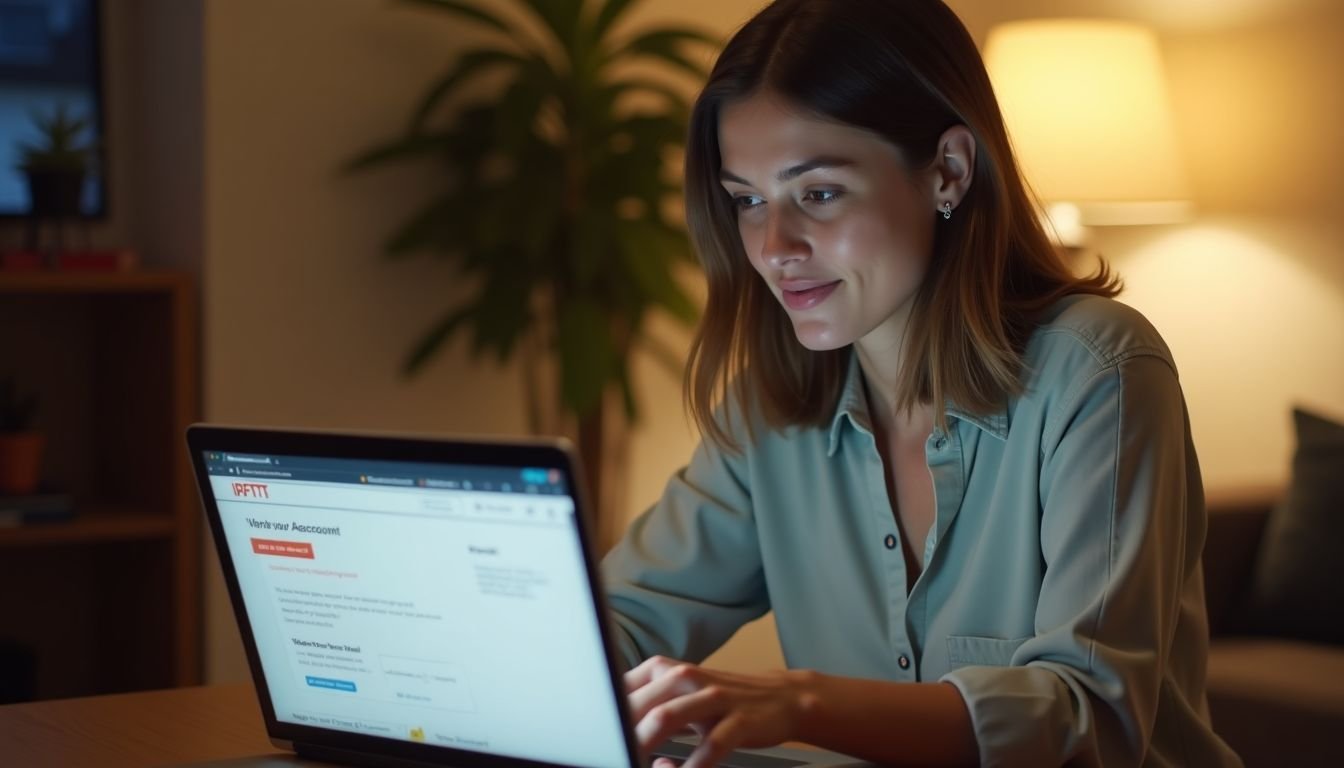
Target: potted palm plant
pixel 56 166
pixel 20 445
pixel 554 203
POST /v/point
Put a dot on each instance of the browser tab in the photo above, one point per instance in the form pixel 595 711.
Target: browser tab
pixel 405 482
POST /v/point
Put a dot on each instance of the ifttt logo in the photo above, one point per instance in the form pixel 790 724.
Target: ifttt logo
pixel 251 490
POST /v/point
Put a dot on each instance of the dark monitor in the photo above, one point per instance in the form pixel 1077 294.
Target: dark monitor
pixel 50 59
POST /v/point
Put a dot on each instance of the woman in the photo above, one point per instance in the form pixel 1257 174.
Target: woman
pixel 961 476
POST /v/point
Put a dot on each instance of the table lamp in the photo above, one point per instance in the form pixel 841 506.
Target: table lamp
pixel 1086 105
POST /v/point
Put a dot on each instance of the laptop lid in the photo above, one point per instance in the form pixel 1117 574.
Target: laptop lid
pixel 415 598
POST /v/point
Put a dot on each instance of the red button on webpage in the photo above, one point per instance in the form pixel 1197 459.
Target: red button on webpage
pixel 283 548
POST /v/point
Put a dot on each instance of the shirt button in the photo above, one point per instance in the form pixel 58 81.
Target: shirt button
pixel 890 541
pixel 940 443
pixel 903 662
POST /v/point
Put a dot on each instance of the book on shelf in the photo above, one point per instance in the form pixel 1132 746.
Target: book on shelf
pixel 35 508
pixel 75 260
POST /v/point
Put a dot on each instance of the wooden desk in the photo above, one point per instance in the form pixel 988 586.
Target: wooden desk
pixel 180 725
pixel 135 730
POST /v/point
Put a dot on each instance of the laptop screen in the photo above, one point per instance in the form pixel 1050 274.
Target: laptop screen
pixel 442 604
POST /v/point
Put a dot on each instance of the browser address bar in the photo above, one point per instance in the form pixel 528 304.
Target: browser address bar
pixel 386 500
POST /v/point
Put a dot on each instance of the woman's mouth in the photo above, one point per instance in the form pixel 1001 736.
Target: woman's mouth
pixel 802 296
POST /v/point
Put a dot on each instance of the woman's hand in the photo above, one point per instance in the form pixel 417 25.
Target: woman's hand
pixel 728 710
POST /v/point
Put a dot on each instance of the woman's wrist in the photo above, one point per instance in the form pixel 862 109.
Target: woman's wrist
pixel 810 691
pixel 807 690
pixel 883 721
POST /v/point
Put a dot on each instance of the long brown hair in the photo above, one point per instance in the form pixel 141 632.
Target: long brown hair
pixel 906 71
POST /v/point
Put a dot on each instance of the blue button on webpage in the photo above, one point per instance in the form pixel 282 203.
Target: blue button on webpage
pixel 335 685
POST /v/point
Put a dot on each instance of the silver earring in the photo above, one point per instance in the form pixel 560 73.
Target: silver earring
pixel 947 210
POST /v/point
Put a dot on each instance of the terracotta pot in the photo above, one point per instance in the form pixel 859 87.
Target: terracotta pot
pixel 20 461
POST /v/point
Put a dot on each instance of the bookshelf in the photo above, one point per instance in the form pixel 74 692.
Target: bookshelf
pixel 108 601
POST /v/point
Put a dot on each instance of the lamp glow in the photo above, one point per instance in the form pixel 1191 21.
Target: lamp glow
pixel 1087 110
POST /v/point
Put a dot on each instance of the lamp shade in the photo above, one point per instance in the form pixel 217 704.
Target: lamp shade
pixel 1087 110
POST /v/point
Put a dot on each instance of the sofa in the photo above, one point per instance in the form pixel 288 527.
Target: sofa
pixel 1278 701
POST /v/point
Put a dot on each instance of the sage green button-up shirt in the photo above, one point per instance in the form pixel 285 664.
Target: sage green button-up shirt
pixel 1061 591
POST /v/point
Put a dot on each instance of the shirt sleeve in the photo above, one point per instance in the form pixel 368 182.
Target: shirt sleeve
pixel 687 574
pixel 1119 486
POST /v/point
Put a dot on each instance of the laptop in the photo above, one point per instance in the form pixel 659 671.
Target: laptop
pixel 414 601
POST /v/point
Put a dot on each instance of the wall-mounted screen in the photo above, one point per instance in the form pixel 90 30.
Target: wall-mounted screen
pixel 49 62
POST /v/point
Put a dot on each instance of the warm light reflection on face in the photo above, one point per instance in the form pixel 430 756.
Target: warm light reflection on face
pixel 830 218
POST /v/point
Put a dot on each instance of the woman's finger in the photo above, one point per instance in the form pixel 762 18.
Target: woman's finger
pixel 723 738
pixel 678 680
pixel 646 671
pixel 669 718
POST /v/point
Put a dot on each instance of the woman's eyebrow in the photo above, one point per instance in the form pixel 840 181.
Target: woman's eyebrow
pixel 793 172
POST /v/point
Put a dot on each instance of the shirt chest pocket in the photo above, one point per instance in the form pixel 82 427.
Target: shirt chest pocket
pixel 971 651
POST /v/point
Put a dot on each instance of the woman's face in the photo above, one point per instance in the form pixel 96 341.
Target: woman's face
pixel 830 217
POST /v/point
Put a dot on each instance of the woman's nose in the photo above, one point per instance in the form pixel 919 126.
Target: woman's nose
pixel 782 243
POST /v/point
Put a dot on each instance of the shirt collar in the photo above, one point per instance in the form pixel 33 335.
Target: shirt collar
pixel 853 408
pixel 994 423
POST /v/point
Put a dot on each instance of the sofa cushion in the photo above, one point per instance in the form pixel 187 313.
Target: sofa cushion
pixel 1299 576
pixel 1235 528
pixel 1277 702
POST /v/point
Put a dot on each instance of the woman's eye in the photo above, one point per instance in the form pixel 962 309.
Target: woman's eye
pixel 822 196
pixel 744 202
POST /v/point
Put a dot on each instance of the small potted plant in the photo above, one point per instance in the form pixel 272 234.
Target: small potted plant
pixel 57 164
pixel 20 445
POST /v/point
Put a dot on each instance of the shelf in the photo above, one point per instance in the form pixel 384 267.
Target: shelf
pixel 113 358
pixel 50 282
pixel 89 527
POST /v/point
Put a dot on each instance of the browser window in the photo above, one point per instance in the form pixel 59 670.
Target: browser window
pixel 441 604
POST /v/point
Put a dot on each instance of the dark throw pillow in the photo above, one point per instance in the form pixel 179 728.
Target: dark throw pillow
pixel 1298 588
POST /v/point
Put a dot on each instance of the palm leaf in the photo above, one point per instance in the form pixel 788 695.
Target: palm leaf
pixel 502 312
pixel 639 173
pixel 471 140
pixel 468 65
pixel 561 17
pixel 610 13
pixel 430 342
pixel 628 398
pixel 675 101
pixel 591 242
pixel 443 225
pixel 399 149
pixel 651 129
pixel 648 251
pixel 666 44
pixel 517 108
pixel 588 54
pixel 501 213
pixel 677 304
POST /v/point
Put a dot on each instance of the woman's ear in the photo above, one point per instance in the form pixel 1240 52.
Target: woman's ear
pixel 953 169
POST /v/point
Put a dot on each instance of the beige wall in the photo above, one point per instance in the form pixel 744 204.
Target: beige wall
pixel 306 326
